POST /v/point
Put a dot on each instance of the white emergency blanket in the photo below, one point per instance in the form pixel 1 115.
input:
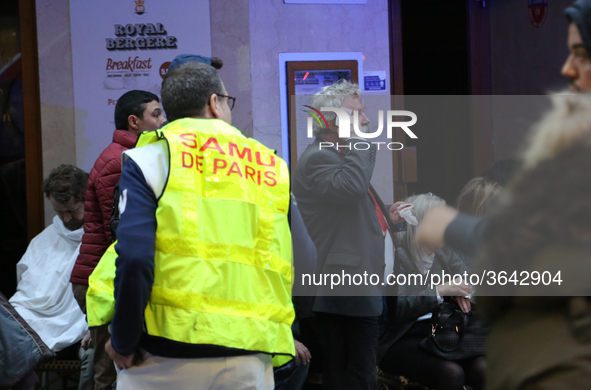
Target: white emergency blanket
pixel 44 296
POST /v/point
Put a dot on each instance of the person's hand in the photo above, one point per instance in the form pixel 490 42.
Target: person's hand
pixel 394 212
pixel 464 304
pixel 85 343
pixel 302 353
pixel 451 289
pixel 120 361
pixel 432 228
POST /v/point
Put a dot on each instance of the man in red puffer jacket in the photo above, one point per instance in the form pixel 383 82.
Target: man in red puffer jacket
pixel 135 112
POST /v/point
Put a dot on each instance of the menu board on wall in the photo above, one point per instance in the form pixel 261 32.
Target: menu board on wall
pixel 122 45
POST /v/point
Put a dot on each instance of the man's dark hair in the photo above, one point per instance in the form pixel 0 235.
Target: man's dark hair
pixel 187 88
pixel 579 13
pixel 132 103
pixel 217 62
pixel 66 182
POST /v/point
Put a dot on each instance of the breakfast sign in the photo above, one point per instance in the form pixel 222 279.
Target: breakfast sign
pixel 122 45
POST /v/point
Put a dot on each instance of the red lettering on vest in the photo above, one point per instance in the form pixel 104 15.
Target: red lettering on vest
pixel 259 177
pixel 271 176
pixel 208 145
pixel 191 138
pixel 190 156
pixel 233 147
pixel 199 164
pixel 271 164
pixel 234 169
pixel 250 172
pixel 219 164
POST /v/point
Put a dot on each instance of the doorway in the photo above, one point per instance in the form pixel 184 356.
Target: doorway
pixel 436 41
pixel 21 200
pixel 436 61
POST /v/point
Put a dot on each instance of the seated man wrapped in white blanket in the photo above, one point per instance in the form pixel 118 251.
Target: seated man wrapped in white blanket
pixel 44 297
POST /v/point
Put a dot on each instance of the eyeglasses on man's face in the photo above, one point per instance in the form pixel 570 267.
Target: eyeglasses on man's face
pixel 231 101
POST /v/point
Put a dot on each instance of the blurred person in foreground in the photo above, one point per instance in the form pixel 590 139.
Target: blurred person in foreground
pixel 464 233
pixel 199 289
pixel 541 328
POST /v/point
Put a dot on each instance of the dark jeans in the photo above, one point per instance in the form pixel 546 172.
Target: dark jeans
pixel 290 376
pixel 349 348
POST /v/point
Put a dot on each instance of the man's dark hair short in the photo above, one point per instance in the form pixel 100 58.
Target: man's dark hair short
pixel 187 88
pixel 66 182
pixel 217 62
pixel 132 103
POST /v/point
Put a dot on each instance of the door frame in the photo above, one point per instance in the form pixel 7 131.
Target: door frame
pixel 32 119
pixel 480 84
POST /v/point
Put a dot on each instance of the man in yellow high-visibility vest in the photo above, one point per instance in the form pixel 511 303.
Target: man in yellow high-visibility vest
pixel 202 292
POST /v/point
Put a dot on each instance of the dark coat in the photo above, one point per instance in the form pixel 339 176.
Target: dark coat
pixel 98 204
pixel 304 262
pixel 541 341
pixel 339 213
pixel 544 225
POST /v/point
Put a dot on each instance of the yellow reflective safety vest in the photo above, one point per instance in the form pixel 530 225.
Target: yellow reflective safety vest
pixel 223 271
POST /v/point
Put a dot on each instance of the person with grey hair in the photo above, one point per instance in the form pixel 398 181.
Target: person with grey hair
pixel 400 351
pixel 349 224
pixel 539 339
pixel 344 95
pixel 202 292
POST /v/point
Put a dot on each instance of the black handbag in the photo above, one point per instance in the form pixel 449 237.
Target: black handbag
pixel 455 335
